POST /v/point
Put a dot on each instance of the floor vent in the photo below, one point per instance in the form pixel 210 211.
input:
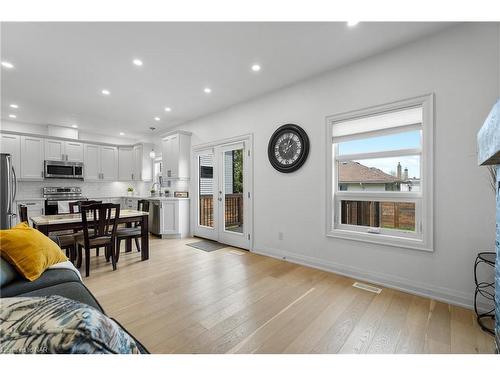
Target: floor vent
pixel 368 288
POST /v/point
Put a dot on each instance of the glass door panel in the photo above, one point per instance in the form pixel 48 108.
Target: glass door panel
pixel 206 190
pixel 233 190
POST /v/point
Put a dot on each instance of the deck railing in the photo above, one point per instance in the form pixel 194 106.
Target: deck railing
pixel 233 213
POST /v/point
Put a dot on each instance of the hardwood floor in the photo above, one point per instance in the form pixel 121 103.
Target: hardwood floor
pixel 184 300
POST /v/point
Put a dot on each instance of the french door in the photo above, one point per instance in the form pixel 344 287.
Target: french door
pixel 222 198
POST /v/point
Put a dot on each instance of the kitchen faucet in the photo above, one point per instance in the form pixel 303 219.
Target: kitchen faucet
pixel 159 187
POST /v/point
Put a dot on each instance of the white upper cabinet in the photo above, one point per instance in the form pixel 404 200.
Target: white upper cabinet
pixel 63 150
pixel 74 151
pixel 32 156
pixel 11 144
pixel 126 165
pixel 54 149
pixel 109 163
pixel 92 162
pixel 134 163
pixel 143 164
pixel 175 155
pixel 100 163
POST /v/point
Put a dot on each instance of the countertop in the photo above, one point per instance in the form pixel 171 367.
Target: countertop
pixel 147 197
pixel 75 218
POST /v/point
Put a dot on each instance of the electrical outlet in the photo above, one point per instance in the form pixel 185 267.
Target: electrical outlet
pixel 280 236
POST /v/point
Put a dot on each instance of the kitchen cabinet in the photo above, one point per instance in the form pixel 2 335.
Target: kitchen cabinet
pixel 92 165
pixel 126 165
pixel 109 163
pixel 169 218
pixel 134 163
pixel 32 156
pixel 63 150
pixel 143 164
pixel 34 208
pixel 176 148
pixel 100 163
pixel 74 151
pixel 11 144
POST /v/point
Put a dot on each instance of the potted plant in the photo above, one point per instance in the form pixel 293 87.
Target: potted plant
pixel 153 192
pixel 130 191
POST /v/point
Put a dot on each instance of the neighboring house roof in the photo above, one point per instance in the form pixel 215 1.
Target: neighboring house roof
pixel 353 172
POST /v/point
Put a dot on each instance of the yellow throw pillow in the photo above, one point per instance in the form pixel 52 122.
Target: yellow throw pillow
pixel 29 250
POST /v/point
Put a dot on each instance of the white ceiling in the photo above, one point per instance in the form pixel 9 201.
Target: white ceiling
pixel 61 68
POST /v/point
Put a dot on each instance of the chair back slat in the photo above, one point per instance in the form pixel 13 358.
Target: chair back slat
pixel 101 217
pixel 23 213
pixel 143 205
pixel 78 204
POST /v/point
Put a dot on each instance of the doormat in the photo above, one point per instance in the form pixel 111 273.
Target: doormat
pixel 207 245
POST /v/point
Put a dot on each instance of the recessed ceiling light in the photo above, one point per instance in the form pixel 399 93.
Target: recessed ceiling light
pixel 352 23
pixel 12 116
pixel 15 106
pixel 122 133
pixel 7 65
pixel 157 119
pixel 105 92
pixel 137 62
pixel 256 67
pixel 74 126
pixel 207 90
pixel 168 109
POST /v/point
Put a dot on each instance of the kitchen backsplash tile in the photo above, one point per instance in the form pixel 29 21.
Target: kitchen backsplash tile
pixel 33 189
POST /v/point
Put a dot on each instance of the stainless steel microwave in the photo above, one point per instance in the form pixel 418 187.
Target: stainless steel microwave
pixel 63 169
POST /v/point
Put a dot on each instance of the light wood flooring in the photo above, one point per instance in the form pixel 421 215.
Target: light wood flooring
pixel 184 300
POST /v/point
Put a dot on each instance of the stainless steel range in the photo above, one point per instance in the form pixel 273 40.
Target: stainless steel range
pixel 57 198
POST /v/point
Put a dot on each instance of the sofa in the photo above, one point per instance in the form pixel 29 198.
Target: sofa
pixel 63 282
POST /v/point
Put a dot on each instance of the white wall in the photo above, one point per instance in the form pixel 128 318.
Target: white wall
pixel 460 66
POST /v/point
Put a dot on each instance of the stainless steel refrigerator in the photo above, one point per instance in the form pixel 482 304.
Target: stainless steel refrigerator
pixel 8 188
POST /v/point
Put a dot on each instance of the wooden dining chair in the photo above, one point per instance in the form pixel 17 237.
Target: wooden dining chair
pixel 23 213
pixel 67 239
pixel 134 232
pixel 99 230
pixel 77 204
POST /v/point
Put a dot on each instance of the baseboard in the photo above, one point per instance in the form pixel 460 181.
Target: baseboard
pixel 446 295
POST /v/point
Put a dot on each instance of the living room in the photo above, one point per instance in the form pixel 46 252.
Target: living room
pixel 250 187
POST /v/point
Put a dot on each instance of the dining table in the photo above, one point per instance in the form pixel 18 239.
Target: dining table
pixel 60 222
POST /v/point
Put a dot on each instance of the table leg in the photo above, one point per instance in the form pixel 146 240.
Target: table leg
pixel 128 240
pixel 144 238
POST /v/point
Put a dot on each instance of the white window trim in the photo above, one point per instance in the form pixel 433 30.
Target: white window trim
pixel 425 242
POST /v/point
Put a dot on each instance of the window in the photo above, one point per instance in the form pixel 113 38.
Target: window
pixel 380 174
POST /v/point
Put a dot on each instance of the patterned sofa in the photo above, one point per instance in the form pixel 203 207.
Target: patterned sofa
pixel 53 282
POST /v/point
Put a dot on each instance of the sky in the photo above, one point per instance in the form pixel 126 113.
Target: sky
pixel 410 139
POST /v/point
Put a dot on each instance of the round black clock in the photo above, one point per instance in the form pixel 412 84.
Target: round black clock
pixel 288 148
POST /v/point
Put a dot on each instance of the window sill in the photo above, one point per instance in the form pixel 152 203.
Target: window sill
pixel 380 239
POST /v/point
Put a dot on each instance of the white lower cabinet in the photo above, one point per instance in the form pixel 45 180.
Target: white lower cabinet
pixel 169 218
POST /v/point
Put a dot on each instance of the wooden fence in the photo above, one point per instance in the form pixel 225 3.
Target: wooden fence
pixel 396 215
pixel 233 210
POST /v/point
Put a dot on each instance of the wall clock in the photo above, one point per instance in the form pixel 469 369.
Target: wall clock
pixel 288 148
